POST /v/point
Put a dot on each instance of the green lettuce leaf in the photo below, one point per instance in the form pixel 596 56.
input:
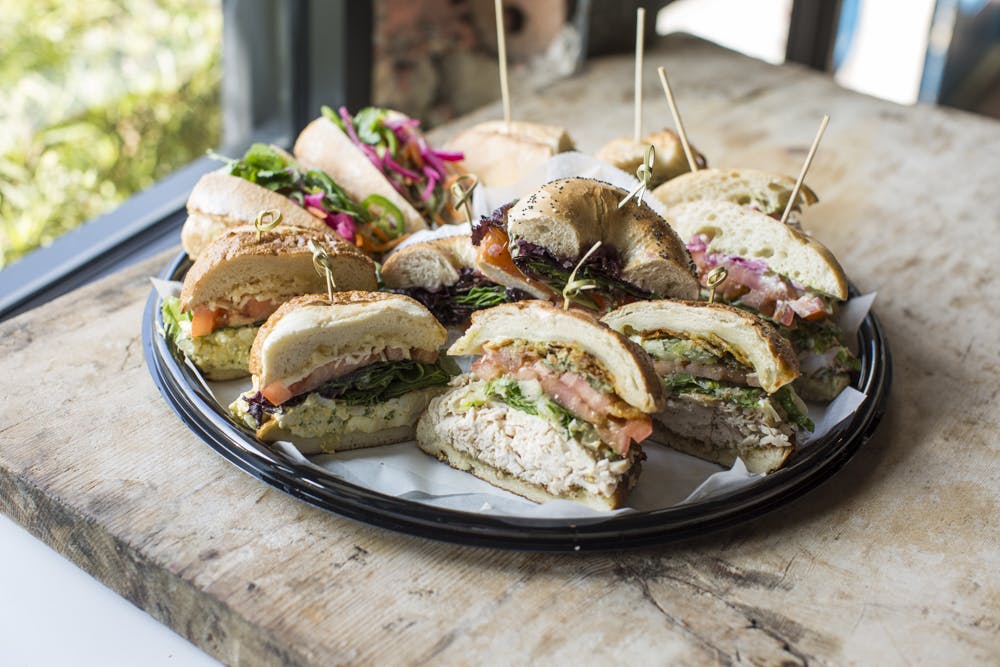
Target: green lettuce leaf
pixel 385 380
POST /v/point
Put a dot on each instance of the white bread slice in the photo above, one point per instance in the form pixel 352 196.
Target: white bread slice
pixel 767 191
pixel 431 264
pixel 323 145
pixel 522 453
pixel 747 337
pixel 277 267
pixel 220 201
pixel 737 230
pixel 500 154
pixel 569 215
pixel 669 160
pixel 627 364
pixel 310 331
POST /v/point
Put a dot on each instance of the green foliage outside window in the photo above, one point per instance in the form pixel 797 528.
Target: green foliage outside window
pixel 102 98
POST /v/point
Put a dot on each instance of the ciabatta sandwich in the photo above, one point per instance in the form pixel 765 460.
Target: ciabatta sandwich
pixel 535 244
pixel 554 407
pixel 670 161
pixel 501 153
pixel 781 273
pixel 240 279
pixel 442 275
pixel 354 371
pixel 381 151
pixel 267 179
pixel 761 191
pixel 726 373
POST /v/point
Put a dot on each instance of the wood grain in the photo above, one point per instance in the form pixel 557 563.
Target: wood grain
pixel 892 562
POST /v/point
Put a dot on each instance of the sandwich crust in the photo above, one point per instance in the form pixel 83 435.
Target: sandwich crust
pixel 766 191
pixel 323 145
pixel 569 215
pixel 631 370
pixel 670 161
pixel 500 153
pixel 430 265
pixel 748 337
pixel 736 230
pixel 220 201
pixel 309 331
pixel 279 266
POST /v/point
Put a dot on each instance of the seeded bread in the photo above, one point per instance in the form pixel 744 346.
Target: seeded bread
pixel 767 192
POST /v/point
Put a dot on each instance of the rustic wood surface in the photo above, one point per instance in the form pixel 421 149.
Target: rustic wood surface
pixel 895 561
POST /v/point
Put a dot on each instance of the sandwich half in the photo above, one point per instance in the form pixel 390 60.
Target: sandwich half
pixel 242 277
pixel 536 243
pixel 726 373
pixel 780 273
pixel 442 275
pixel 554 407
pixel 343 373
pixel 761 191
pixel 501 153
pixel 670 161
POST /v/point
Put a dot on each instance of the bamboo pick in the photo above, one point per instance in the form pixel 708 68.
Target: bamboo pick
pixel 677 119
pixel 502 57
pixel 805 167
pixel 321 262
pixel 640 25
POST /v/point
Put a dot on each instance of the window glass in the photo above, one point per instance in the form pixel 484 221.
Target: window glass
pixel 101 99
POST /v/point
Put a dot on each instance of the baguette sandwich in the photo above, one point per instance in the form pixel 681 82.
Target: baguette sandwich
pixel 536 243
pixel 628 154
pixel 240 279
pixel 554 407
pixel 343 373
pixel 780 273
pixel 383 152
pixel 442 275
pixel 267 179
pixel 501 153
pixel 758 190
pixel 726 373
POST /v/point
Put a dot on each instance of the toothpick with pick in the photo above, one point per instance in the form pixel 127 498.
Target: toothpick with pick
pixel 805 168
pixel 502 57
pixel 645 174
pixel 640 30
pixel 574 286
pixel 715 277
pixel 688 153
pixel 267 220
pixel 321 262
pixel 463 195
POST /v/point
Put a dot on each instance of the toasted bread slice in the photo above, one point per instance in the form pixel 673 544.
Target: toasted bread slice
pixel 736 230
pixel 765 191
pixel 750 339
pixel 430 265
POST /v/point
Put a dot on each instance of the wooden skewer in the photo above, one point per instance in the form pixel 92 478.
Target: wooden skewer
pixel 805 168
pixel 640 25
pixel 502 57
pixel 677 119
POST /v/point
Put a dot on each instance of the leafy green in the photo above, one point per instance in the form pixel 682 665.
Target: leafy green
pixel 172 316
pixel 482 296
pixel 745 397
pixel 385 380
pixel 512 393
pixel 793 408
pixel 679 348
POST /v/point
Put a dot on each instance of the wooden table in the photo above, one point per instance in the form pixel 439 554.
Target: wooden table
pixel 894 561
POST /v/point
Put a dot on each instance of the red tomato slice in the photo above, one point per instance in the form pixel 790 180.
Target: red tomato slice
pixel 203 321
pixel 276 392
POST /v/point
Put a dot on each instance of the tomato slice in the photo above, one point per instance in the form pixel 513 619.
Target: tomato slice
pixel 276 392
pixel 203 321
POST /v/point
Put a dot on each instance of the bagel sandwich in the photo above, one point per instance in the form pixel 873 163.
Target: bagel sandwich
pixel 627 154
pixel 554 407
pixel 727 375
pixel 780 273
pixel 761 191
pixel 442 275
pixel 382 151
pixel 353 371
pixel 536 243
pixel 267 178
pixel 501 153
pixel 242 277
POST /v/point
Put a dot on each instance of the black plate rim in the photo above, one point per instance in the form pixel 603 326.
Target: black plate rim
pixel 804 472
